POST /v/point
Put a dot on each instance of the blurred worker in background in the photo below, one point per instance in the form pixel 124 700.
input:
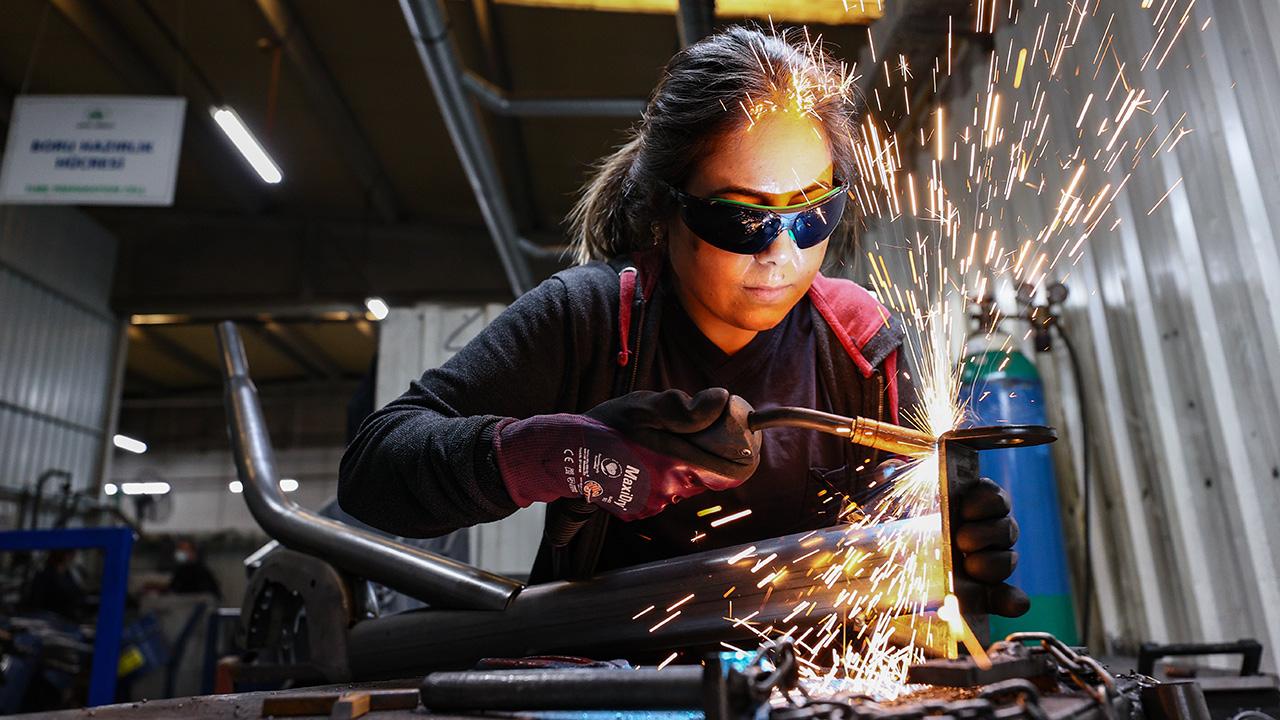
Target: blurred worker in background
pixel 623 384
pixel 58 589
pixel 190 573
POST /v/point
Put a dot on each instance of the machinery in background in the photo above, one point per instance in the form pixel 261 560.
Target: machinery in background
pixel 1000 386
pixel 52 650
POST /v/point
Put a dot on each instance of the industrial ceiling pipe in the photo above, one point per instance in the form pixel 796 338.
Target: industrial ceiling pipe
pixel 434 579
pixel 496 99
pixel 431 38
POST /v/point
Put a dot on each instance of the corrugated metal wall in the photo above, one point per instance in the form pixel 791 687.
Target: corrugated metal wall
pixel 1177 311
pixel 58 343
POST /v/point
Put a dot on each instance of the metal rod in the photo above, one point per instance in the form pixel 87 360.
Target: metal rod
pixel 673 688
pixel 437 580
pixel 431 37
pixel 497 100
pixel 859 430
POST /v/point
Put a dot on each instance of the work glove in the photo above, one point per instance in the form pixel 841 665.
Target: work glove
pixel 985 534
pixel 633 455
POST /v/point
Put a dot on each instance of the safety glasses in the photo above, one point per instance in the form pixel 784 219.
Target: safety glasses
pixel 748 229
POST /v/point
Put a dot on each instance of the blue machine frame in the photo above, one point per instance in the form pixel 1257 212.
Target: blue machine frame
pixel 115 544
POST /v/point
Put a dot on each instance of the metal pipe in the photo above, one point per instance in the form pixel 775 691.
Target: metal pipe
pixel 859 430
pixel 674 688
pixel 45 477
pixel 437 580
pixel 606 616
pixel 496 99
pixel 430 32
pixel 695 19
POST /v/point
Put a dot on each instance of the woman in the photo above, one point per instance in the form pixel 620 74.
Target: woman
pixel 624 382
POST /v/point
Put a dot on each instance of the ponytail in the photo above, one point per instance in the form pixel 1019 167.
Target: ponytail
pixel 598 221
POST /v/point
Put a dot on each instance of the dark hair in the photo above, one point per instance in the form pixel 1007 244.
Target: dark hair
pixel 708 89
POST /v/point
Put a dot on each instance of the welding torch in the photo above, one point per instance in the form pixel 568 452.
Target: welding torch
pixel 870 433
pixel 887 437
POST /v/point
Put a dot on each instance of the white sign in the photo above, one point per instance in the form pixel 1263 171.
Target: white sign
pixel 92 150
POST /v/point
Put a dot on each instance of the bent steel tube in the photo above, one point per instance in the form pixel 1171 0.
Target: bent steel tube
pixel 437 580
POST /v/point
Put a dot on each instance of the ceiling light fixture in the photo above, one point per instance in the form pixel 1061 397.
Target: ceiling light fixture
pixel 145 488
pixel 377 307
pixel 247 144
pixel 124 442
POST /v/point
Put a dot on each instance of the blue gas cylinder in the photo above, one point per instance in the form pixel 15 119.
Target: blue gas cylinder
pixel 1004 388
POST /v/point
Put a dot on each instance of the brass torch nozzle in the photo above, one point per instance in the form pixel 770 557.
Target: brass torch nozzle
pixel 891 438
pixel 861 431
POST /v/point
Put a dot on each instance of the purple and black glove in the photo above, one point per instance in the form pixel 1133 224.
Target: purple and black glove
pixel 633 455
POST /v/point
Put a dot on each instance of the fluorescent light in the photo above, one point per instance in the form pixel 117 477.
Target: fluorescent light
pixel 286 484
pixel 110 489
pixel 247 144
pixel 124 442
pixel 145 488
pixel 377 307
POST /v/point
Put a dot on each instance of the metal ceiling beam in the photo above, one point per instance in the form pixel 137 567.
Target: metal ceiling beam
pixel 695 19
pixel 323 93
pixel 497 100
pixel 295 346
pixel 233 265
pixel 143 383
pixel 508 141
pixel 433 41
pixel 176 352
pixel 213 151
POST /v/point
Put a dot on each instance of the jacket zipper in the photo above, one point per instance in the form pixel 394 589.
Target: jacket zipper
pixel 879 395
pixel 639 327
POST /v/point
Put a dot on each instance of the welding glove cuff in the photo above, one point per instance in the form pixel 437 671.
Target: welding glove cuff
pixel 633 455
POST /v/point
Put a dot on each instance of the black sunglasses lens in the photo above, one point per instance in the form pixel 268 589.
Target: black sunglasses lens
pixel 731 228
pixel 811 227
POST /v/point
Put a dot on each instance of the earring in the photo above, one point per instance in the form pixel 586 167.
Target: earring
pixel 657 235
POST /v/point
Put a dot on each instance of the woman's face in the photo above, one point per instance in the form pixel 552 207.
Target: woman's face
pixel 780 160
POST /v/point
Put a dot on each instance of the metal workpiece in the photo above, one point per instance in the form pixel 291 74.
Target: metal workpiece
pixel 721 692
pixel 1175 700
pixel 1008 661
pixel 672 688
pixel 621 613
pixel 859 430
pixel 434 579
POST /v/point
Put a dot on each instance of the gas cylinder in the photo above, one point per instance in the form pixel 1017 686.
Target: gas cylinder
pixel 1003 387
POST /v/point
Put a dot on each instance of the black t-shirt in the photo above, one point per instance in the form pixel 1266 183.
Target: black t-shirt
pixel 788 492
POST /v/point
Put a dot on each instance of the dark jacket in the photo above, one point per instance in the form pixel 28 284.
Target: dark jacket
pixel 424 465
